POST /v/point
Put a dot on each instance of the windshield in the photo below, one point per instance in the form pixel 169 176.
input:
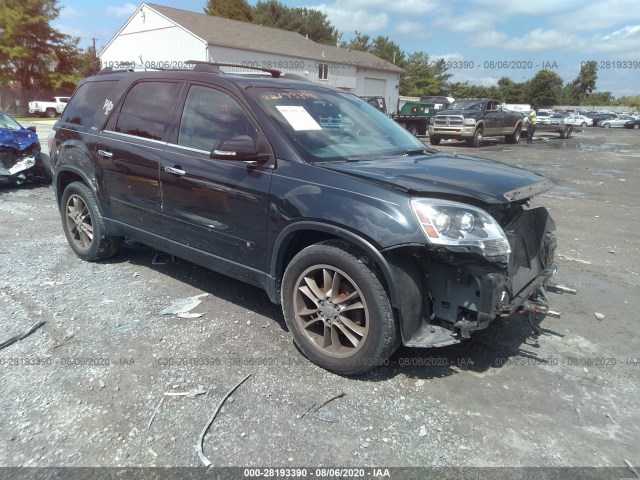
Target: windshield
pixel 466 105
pixel 7 122
pixel 332 126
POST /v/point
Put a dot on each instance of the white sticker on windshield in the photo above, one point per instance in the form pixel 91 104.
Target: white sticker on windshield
pixel 298 117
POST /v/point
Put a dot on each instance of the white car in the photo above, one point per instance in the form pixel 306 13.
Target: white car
pixel 578 120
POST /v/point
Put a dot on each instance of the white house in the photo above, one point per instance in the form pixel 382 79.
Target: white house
pixel 167 37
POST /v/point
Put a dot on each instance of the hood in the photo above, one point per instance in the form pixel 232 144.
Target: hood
pixel 18 139
pixel 449 174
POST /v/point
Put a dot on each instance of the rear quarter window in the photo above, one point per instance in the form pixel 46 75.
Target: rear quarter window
pixel 89 105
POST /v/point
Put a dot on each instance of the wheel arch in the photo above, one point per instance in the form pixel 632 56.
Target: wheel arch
pixel 295 237
pixel 68 174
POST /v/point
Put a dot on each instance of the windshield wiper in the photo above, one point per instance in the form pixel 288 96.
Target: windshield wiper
pixel 422 151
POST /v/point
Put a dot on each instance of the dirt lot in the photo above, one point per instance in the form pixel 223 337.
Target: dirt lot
pixel 82 389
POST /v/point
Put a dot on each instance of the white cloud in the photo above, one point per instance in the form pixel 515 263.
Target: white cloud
pixel 73 31
pixel 121 11
pixel 68 13
pixel 598 15
pixel 623 33
pixel 538 7
pixel 350 20
pixel 449 57
pixel 490 39
pixel 410 7
pixel 417 29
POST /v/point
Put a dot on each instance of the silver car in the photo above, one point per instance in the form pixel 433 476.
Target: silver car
pixel 616 122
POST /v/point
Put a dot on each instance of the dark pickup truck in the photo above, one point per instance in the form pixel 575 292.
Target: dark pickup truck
pixel 473 119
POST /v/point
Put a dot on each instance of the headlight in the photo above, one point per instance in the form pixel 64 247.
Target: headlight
pixel 459 225
pixel 469 121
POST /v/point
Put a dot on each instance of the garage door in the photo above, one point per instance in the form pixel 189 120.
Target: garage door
pixel 374 87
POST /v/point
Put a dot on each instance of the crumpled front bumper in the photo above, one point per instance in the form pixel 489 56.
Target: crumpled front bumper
pixel 467 294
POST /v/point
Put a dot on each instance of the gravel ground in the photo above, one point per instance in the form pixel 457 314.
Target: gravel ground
pixel 82 389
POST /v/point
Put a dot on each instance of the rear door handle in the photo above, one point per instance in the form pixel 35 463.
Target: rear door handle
pixel 175 171
pixel 105 154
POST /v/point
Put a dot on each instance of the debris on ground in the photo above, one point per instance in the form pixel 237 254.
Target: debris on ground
pixel 199 448
pixel 155 412
pixel 183 305
pixel 190 315
pixel 599 316
pixel 194 392
pixel 16 338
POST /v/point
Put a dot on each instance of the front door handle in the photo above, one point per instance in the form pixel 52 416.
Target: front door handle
pixel 105 154
pixel 175 171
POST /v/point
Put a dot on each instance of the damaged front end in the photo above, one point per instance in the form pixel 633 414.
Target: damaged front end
pixel 498 266
pixel 20 158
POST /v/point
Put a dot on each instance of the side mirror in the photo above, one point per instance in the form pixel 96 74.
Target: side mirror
pixel 238 148
pixel 32 128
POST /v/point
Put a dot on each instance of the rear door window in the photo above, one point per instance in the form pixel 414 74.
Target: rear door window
pixel 147 110
pixel 86 108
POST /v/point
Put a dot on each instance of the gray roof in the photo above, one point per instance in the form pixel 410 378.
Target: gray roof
pixel 247 36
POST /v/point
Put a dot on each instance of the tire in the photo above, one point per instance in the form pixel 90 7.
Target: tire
pixel 636 126
pixel 83 224
pixel 515 136
pixel 477 138
pixel 607 125
pixel 583 124
pixel 434 140
pixel 413 129
pixel 50 113
pixel 44 170
pixel 347 334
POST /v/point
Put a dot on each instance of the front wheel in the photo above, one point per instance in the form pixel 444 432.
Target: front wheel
pixel 477 138
pixel 434 140
pixel 583 124
pixel 337 309
pixel 50 113
pixel 83 224
pixel 636 126
pixel 607 125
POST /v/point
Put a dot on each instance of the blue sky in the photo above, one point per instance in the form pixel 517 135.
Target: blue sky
pixel 481 35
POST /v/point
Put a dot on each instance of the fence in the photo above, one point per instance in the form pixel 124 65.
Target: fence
pixel 16 101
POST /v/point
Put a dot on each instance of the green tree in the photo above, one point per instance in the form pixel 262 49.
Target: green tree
pixel 424 76
pixel 511 92
pixel 232 9
pixel 632 101
pixel 306 21
pixel 545 88
pixel 585 83
pixel 360 42
pixel 32 52
pixel 387 49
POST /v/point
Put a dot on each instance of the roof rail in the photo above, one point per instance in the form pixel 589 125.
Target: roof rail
pixel 135 68
pixel 201 66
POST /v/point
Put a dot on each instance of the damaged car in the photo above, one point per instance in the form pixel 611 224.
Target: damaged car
pixel 21 160
pixel 367 238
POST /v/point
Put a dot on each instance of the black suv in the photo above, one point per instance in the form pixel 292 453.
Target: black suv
pixel 368 238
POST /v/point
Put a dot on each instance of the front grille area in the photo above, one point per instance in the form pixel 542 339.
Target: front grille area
pixel 448 121
pixel 532 246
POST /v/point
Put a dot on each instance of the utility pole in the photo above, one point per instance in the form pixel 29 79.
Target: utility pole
pixel 95 57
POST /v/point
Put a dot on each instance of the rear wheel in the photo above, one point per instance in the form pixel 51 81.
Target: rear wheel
pixel 50 113
pixel 337 309
pixel 434 140
pixel 515 136
pixel 583 124
pixel 83 224
pixel 413 129
pixel 636 126
pixel 607 125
